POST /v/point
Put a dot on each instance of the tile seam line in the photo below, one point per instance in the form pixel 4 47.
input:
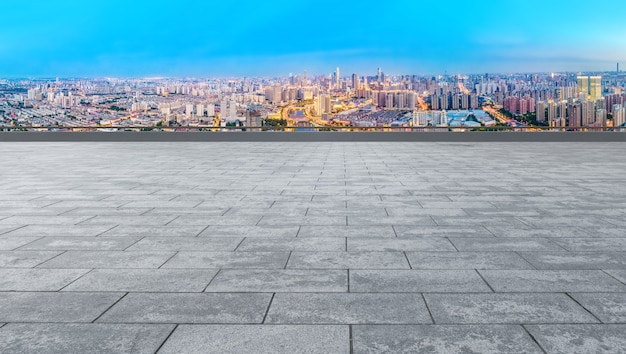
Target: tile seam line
pixel 166 339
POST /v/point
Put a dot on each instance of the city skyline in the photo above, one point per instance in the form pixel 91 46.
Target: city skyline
pixel 75 39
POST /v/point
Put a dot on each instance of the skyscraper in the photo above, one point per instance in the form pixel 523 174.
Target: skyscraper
pixel 355 82
pixel 591 87
pixel 338 78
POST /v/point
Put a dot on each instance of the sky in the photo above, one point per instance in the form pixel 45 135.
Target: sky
pixel 126 38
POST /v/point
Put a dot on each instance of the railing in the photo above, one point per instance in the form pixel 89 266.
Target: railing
pixel 208 129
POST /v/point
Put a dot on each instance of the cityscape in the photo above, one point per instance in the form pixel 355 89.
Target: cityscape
pixel 563 101
pixel 312 177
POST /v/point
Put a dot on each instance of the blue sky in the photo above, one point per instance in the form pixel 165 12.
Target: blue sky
pixel 264 38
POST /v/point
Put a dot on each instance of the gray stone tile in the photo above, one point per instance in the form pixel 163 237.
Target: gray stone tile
pixel 293 244
pixel 279 220
pixel 154 231
pixel 593 244
pixel 551 281
pixel 223 339
pixel 187 220
pixel 261 280
pixel 24 259
pixel 80 243
pixel 441 231
pixel 270 260
pixel 8 243
pixel 484 339
pixel 144 280
pixel 6 228
pixel 390 220
pixel 54 307
pixel 189 308
pixel 399 244
pixel 147 220
pixel 504 244
pixel 505 309
pixel 467 260
pixel 416 212
pixel 346 231
pixel 411 281
pixel 618 274
pixel 477 221
pixel 608 307
pixel 60 230
pixel 348 260
pixel 38 220
pixel 53 338
pixel 348 308
pixel 186 244
pixel 108 259
pixel 37 279
pixel 528 232
pixel 576 260
pixel 249 231
pixel 580 339
pixel 552 221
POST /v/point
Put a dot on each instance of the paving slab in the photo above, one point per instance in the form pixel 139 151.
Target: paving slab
pixel 68 229
pixel 467 260
pixel 269 260
pixel 593 244
pixel 53 338
pixel 409 281
pixel 80 243
pixel 249 231
pixel 54 306
pixel 189 308
pixel 506 309
pixel 442 231
pixel 347 231
pixel 580 339
pixel 186 244
pixel 399 244
pixel 551 281
pixel 153 231
pixel 528 232
pixel 144 280
pixel 108 259
pixel 270 339
pixel 608 307
pixel 351 308
pixel 293 244
pixel 483 339
pixel 291 280
pixel 25 259
pixel 505 244
pixel 347 260
pixel 37 279
pixel 8 243
pixel 576 260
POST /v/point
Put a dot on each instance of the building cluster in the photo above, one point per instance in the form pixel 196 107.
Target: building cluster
pixel 559 100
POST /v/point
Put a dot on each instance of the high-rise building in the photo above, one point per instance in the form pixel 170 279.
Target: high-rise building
pixel 338 78
pixel 601 117
pixel 411 100
pixel 574 114
pixel 588 114
pixel 591 87
pixel 389 101
pixel 541 111
pixel 355 82
pixel 619 115
pixel 551 111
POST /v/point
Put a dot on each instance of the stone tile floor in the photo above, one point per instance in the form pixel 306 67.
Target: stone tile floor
pixel 312 247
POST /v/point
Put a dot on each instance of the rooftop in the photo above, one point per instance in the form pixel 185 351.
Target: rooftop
pixel 312 247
